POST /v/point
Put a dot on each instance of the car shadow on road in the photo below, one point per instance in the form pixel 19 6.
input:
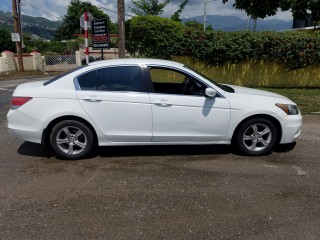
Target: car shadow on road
pixel 34 150
pixel 162 150
pixel 285 147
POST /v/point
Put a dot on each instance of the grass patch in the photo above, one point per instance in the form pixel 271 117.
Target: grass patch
pixel 308 99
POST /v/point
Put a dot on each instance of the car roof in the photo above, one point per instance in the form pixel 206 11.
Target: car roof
pixel 123 61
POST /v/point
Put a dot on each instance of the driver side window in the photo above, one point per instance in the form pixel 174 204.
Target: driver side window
pixel 169 81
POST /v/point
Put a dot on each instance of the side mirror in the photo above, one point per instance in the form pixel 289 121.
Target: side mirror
pixel 210 92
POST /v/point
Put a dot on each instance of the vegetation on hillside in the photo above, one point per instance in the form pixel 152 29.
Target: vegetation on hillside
pixel 36 26
pixel 5 40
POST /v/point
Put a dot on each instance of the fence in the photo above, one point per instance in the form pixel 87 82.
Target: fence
pixel 35 61
pixel 59 62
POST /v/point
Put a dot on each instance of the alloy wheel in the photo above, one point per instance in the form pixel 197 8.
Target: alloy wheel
pixel 257 137
pixel 71 140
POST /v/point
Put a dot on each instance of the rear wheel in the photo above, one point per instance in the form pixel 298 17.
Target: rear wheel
pixel 71 139
pixel 256 136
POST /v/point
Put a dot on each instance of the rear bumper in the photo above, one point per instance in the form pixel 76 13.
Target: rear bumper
pixel 291 128
pixel 24 127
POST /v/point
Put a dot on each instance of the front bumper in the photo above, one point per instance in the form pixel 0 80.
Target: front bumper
pixel 291 125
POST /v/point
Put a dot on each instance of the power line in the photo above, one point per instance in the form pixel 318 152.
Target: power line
pixel 114 11
pixel 31 5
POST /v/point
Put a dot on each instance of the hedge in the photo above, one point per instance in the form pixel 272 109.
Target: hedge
pixel 157 37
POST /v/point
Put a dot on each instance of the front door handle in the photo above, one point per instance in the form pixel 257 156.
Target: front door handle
pixel 162 103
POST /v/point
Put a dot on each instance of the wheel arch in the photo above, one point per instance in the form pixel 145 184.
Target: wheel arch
pixel 47 131
pixel 265 116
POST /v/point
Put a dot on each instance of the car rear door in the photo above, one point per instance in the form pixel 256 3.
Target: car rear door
pixel 116 99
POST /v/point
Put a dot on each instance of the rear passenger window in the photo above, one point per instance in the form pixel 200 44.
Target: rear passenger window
pixel 128 79
pixel 88 81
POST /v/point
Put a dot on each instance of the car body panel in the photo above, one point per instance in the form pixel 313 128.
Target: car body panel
pixel 121 116
pixel 189 118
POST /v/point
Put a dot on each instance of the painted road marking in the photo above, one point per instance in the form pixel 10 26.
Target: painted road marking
pixel 4 89
pixel 299 171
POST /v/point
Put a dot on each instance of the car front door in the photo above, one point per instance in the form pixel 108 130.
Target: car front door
pixel 182 112
pixel 116 99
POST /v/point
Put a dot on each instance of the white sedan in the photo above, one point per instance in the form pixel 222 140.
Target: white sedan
pixel 148 102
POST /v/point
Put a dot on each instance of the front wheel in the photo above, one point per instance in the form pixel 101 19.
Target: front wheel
pixel 71 139
pixel 256 136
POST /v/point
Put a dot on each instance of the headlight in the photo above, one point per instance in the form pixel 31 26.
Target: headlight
pixel 289 109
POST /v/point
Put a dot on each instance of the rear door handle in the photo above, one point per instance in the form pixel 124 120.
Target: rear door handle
pixel 162 103
pixel 92 99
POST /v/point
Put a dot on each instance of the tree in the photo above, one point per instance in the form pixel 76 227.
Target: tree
pixel 194 25
pixel 261 8
pixel 148 7
pixel 264 8
pixel 299 8
pixel 70 22
pixel 176 15
pixel 5 40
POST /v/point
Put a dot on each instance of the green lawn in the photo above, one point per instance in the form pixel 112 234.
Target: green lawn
pixel 308 99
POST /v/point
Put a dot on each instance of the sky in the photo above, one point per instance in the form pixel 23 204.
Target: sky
pixel 56 9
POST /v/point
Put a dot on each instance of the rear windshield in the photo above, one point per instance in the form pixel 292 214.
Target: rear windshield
pixel 63 74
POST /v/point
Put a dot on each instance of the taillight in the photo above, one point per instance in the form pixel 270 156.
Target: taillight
pixel 17 102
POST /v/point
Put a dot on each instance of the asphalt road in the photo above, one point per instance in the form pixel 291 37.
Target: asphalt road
pixel 185 192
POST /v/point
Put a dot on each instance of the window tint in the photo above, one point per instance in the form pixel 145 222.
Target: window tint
pixel 170 81
pixel 127 78
pixel 88 81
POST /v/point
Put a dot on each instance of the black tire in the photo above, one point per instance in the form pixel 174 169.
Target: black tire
pixel 256 137
pixel 71 140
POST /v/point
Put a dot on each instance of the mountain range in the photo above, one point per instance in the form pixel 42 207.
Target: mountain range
pixel 232 23
pixel 40 27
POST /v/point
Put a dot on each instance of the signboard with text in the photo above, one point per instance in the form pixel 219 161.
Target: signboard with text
pixel 15 37
pixel 100 34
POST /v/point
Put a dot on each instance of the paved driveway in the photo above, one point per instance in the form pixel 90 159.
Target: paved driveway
pixel 185 192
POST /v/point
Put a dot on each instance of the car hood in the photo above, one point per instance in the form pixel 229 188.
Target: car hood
pixel 255 92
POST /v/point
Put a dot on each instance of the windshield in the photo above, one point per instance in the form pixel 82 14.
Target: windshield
pixel 223 87
pixel 63 74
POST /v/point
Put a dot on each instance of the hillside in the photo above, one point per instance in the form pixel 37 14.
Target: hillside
pixel 36 26
pixel 44 28
pixel 231 23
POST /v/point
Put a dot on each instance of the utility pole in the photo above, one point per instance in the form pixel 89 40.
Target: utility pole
pixel 121 30
pixel 17 29
pixel 19 19
pixel 205 3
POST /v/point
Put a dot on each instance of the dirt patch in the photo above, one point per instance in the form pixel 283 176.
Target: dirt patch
pixel 26 74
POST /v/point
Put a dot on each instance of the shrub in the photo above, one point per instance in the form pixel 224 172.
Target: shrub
pixel 153 36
